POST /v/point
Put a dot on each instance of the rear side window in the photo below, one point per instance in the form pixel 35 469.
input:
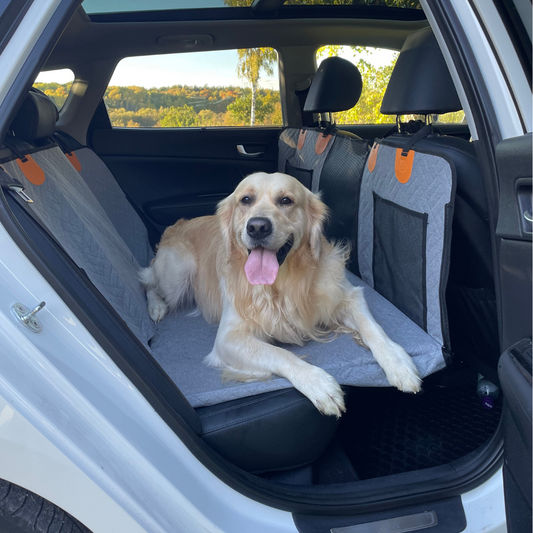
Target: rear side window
pixel 457 117
pixel 375 65
pixel 56 84
pixel 200 89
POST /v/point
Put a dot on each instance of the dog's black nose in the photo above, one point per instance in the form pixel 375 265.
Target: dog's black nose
pixel 259 227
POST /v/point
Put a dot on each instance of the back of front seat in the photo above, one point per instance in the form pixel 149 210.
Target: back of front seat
pixel 325 159
pixel 421 84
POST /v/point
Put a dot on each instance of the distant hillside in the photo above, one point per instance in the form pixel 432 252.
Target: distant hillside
pixel 180 105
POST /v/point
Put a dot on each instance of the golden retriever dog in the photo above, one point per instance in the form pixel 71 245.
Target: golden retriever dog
pixel 262 268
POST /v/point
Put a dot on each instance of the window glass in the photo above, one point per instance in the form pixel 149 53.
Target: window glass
pixel 375 65
pixel 407 4
pixel 201 89
pixel 93 7
pixel 56 84
pixel 123 6
pixel 457 117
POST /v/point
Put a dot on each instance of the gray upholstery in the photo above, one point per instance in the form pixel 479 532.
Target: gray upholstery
pixel 304 158
pixel 70 211
pixel 117 207
pixel 182 341
pixel 429 190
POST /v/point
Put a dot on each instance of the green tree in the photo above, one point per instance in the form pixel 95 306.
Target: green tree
pixel 179 117
pixel 251 61
pixel 241 110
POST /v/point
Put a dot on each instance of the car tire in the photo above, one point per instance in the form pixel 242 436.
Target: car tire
pixel 22 511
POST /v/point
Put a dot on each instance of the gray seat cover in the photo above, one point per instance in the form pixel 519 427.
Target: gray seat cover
pixel 70 211
pixel 119 210
pixel 429 191
pixel 182 341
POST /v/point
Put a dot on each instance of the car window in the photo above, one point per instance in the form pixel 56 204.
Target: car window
pixel 201 89
pixel 457 117
pixel 375 65
pixel 55 84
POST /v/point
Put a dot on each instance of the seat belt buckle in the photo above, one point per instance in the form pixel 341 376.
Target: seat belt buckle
pixel 19 189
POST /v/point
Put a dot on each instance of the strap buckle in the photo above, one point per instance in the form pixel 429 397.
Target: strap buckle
pixel 19 189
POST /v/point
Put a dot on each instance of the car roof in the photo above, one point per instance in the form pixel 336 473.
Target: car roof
pixel 111 36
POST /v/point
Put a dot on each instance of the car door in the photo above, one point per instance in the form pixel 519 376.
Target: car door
pixel 514 232
pixel 180 131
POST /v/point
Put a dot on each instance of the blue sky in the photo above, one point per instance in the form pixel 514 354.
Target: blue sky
pixel 198 68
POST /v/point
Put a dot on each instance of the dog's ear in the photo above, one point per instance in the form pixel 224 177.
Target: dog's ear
pixel 225 210
pixel 317 213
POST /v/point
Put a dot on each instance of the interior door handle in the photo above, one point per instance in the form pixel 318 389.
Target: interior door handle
pixel 242 151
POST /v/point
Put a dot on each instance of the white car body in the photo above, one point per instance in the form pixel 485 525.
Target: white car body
pixel 134 474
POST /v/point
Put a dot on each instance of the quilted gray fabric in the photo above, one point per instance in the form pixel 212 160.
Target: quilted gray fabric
pixel 428 190
pixel 306 158
pixel 124 218
pixel 70 211
pixel 287 146
pixel 181 343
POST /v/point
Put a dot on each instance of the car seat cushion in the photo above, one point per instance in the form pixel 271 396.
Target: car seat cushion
pixel 182 341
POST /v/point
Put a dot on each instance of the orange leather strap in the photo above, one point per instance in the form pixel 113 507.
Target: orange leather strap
pixel 33 172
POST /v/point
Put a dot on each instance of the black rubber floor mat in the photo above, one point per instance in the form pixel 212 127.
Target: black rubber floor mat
pixel 388 432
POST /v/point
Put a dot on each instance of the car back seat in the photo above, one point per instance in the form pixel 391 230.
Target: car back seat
pixel 69 209
pixel 93 170
pixel 276 430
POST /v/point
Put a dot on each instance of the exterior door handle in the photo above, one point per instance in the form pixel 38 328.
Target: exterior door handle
pixel 242 152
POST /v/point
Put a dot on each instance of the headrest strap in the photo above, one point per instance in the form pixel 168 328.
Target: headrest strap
pixel 18 147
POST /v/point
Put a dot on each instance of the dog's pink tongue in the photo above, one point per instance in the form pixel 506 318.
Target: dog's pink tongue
pixel 262 267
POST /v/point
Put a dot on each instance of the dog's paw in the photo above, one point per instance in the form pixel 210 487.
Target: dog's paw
pixel 401 370
pixel 323 391
pixel 157 309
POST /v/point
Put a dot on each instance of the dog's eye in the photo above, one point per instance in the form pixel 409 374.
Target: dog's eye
pixel 286 201
pixel 246 200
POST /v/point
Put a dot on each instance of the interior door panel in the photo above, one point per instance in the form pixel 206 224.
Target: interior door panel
pixel 183 173
pixel 514 159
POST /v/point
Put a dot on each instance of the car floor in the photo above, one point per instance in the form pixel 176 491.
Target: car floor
pixel 386 432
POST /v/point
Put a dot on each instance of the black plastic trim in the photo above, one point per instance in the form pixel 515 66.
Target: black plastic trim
pixel 36 59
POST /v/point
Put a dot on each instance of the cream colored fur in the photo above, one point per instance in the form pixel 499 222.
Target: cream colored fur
pixel 203 260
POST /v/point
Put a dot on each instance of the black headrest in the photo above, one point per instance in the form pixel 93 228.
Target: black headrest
pixel 36 119
pixel 337 86
pixel 420 82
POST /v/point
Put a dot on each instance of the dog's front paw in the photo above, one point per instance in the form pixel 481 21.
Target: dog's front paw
pixel 401 370
pixel 323 391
